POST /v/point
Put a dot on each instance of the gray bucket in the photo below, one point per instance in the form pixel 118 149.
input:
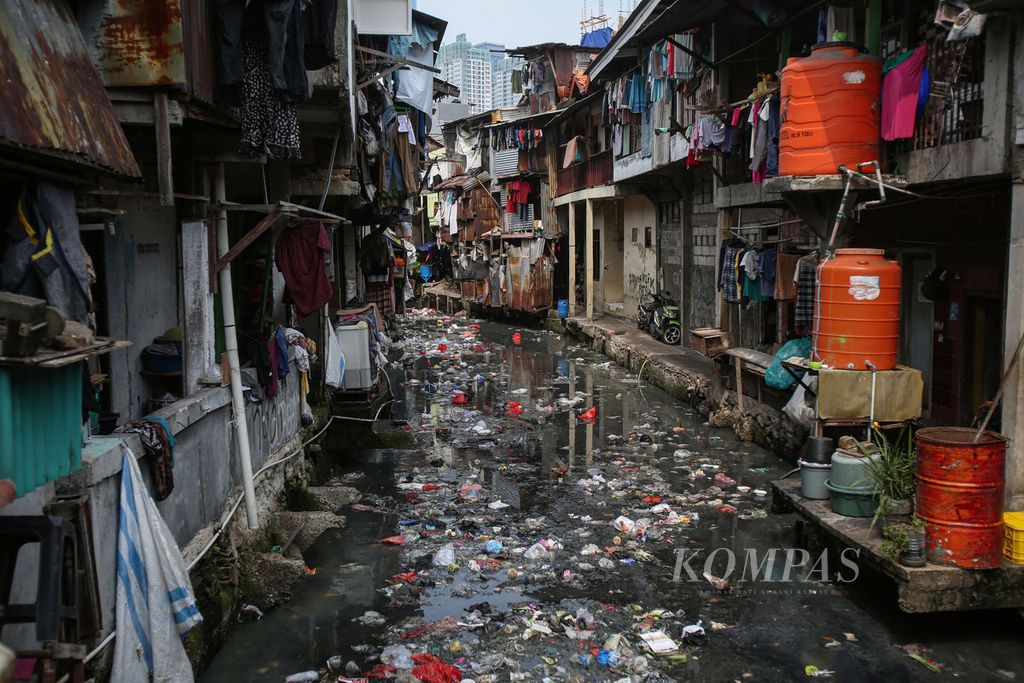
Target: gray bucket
pixel 812 479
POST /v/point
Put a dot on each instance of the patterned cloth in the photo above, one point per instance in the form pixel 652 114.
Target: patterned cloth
pixel 270 126
pixel 805 287
pixel 729 275
pixel 382 294
pixel 159 443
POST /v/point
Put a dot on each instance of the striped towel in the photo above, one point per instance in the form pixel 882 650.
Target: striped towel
pixel 155 603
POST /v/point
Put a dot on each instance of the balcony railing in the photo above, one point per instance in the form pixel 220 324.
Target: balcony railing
pixel 954 110
pixel 591 172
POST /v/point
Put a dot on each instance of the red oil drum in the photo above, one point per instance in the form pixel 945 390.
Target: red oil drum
pixel 830 110
pixel 857 310
pixel 960 495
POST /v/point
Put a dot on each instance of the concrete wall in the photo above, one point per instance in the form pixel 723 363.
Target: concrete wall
pixel 703 287
pixel 612 256
pixel 630 166
pixel 142 297
pixel 640 262
pixel 1013 402
pixel 206 473
pixel 670 246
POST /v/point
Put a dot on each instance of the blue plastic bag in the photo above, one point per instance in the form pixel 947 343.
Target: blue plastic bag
pixel 777 376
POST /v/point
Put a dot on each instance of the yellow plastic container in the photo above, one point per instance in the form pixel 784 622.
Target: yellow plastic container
pixel 1013 544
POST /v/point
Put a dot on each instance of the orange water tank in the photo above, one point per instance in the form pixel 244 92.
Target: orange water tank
pixel 857 310
pixel 830 110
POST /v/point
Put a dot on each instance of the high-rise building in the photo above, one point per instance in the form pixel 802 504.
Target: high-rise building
pixel 482 72
pixel 469 69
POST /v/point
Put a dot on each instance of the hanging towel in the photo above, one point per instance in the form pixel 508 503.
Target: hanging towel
pixel 155 603
pixel 901 90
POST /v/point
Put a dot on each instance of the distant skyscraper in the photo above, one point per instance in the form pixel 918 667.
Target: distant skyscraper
pixel 469 69
pixel 482 72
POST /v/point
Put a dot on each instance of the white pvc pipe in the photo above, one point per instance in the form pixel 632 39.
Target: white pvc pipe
pixel 227 305
pixel 871 424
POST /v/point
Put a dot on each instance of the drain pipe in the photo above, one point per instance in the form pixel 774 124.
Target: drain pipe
pixel 227 305
pixel 871 424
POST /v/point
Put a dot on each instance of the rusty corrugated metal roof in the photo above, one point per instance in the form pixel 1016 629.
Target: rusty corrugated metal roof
pixel 136 42
pixel 52 99
pixel 481 179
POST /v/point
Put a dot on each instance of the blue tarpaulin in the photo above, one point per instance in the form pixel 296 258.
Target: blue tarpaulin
pixel 598 38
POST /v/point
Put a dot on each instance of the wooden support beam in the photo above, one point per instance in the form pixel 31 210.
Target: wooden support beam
pixel 589 258
pixel 164 161
pixel 268 222
pixel 739 383
pixel 393 59
pixel 572 258
pixel 696 55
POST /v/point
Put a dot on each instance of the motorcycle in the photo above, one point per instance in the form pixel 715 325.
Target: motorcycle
pixel 658 315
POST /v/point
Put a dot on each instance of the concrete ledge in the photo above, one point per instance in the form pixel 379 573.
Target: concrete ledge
pixel 826 183
pixel 747 194
pixel 688 376
pixel 932 588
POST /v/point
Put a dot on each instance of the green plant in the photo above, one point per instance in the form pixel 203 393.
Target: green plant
pixel 895 541
pixel 894 474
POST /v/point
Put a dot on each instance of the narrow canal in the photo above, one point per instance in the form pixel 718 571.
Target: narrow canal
pixel 525 571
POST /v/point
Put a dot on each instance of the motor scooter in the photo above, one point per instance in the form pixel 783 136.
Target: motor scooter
pixel 658 315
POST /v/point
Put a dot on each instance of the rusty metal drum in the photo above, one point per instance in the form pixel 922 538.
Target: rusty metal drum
pixel 960 495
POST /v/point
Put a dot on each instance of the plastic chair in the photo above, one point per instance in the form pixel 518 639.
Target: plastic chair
pixel 55 610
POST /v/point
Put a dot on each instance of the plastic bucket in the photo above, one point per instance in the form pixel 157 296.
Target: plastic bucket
pixel 852 502
pixel 563 308
pixel 849 471
pixel 812 479
pixel 818 449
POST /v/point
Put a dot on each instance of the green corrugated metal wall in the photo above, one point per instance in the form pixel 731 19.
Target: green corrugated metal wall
pixel 40 424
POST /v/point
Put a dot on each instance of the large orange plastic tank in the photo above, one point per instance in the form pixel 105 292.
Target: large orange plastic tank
pixel 831 110
pixel 960 487
pixel 857 310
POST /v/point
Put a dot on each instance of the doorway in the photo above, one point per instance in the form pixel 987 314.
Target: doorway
pixel 611 258
pixel 917 321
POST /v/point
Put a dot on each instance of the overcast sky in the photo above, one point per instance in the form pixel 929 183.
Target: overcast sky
pixel 512 22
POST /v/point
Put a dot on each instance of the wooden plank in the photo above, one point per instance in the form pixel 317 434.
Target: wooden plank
pixel 738 362
pixel 758 359
pixel 58 359
pixel 589 247
pixel 393 59
pixel 164 161
pixel 572 258
pixel 247 239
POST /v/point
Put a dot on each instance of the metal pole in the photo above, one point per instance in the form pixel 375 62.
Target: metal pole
pixel 227 305
pixel 871 416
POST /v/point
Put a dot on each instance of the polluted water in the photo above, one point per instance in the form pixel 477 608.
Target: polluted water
pixel 534 530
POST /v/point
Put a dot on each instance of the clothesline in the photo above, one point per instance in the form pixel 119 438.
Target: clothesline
pixel 725 109
pixel 763 226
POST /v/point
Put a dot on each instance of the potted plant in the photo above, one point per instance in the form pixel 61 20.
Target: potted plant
pixel 894 476
pixel 895 541
pixel 914 555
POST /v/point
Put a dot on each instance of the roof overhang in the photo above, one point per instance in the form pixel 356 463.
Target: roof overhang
pixel 54 105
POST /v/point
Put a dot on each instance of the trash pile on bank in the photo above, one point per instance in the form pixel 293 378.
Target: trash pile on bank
pixel 528 596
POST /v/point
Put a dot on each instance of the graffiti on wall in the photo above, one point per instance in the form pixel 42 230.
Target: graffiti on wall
pixel 703 298
pixel 274 420
pixel 640 283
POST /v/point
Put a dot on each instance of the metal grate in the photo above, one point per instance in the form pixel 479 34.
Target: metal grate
pixel 955 107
